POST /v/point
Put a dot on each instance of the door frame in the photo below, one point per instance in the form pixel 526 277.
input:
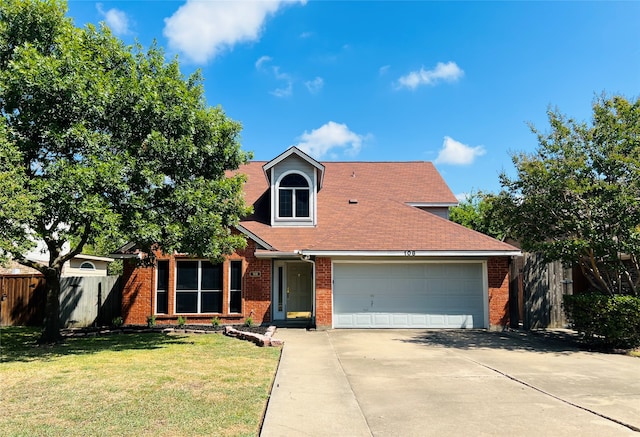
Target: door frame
pixel 279 286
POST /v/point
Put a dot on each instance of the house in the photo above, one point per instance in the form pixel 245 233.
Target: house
pixel 79 265
pixel 336 245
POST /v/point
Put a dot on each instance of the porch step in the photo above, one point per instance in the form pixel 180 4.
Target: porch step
pixel 295 323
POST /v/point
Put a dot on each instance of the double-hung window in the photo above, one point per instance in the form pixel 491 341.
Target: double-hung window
pixel 293 197
pixel 198 287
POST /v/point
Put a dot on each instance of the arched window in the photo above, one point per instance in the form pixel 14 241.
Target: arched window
pixel 293 197
pixel 87 266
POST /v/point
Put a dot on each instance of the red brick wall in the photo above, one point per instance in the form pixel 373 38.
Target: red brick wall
pixel 498 276
pixel 256 289
pixel 138 299
pixel 138 294
pixel 324 309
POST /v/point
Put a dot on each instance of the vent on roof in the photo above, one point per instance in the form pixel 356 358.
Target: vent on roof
pixel 353 201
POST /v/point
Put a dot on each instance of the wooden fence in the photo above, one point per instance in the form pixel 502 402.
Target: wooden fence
pixel 23 300
pixel 84 301
pixel 543 285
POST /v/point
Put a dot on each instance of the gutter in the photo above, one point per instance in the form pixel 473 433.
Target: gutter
pixel 272 254
pixel 412 253
pixel 125 255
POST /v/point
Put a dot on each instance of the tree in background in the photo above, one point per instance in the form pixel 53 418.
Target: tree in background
pixel 577 198
pixel 102 142
pixel 478 212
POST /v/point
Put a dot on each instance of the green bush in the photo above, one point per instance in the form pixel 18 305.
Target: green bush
pixel 215 322
pixel 117 321
pixel 612 321
pixel 248 322
pixel 182 321
pixel 151 321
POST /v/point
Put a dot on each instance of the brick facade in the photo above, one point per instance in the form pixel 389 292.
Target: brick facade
pixel 498 278
pixel 139 284
pixel 138 297
pixel 324 309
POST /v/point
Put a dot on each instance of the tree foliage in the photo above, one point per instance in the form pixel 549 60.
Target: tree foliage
pixel 478 212
pixel 102 142
pixel 577 198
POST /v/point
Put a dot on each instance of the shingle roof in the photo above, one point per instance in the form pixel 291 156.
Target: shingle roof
pixel 381 220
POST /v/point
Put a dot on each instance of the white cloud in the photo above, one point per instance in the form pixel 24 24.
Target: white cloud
pixel 201 29
pixel 462 196
pixel 116 19
pixel 383 70
pixel 449 72
pixel 305 35
pixel 287 89
pixel 331 135
pixel 456 153
pixel 314 86
pixel 263 60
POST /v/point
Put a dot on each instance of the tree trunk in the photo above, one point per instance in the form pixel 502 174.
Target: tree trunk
pixel 51 331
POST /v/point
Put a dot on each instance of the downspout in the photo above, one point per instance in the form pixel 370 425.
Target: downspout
pixel 307 258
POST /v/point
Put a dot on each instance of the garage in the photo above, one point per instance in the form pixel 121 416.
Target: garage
pixel 408 295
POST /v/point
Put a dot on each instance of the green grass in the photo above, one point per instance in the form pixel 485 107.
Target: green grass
pixel 133 385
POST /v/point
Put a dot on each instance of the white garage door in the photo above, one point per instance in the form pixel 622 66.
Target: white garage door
pixel 413 295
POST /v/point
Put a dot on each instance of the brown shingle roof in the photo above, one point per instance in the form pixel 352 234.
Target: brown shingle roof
pixel 381 220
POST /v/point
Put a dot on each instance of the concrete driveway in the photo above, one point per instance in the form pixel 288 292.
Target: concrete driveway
pixel 419 382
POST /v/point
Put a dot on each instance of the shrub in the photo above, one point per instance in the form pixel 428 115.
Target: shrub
pixel 182 321
pixel 248 322
pixel 215 322
pixel 151 321
pixel 117 321
pixel 612 321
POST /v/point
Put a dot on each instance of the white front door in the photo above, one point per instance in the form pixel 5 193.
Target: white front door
pixel 292 290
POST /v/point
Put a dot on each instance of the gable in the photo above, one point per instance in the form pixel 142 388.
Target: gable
pixel 367 206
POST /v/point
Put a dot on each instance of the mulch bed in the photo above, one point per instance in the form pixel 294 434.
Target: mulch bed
pixel 131 329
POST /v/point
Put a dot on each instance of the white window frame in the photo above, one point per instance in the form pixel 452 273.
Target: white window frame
pixel 88 269
pixel 235 289
pixel 166 291
pixel 294 220
pixel 199 290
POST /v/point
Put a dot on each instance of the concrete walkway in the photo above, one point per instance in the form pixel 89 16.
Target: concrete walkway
pixel 311 395
pixel 418 382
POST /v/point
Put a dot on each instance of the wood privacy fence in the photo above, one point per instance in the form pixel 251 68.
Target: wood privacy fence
pixel 543 285
pixel 23 300
pixel 84 301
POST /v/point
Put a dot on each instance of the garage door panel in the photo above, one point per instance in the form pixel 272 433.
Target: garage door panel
pixel 420 295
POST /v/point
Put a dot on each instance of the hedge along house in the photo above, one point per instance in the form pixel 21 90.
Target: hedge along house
pixel 336 245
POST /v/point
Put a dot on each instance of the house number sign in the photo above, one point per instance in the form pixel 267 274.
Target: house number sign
pixel 409 253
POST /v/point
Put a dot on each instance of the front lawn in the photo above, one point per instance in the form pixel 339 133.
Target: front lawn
pixel 133 385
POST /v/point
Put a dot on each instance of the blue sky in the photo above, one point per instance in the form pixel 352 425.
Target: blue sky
pixel 450 82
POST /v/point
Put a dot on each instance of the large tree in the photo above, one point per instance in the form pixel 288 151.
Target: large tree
pixel 99 140
pixel 477 211
pixel 577 198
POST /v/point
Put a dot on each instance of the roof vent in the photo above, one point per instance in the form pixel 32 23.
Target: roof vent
pixel 353 201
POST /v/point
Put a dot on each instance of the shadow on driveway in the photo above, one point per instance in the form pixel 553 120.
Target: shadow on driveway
pixel 513 340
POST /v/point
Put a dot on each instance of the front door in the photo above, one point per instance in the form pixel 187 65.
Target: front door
pixel 293 290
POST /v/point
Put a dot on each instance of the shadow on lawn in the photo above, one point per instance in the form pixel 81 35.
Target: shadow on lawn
pixel 20 344
pixel 543 341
